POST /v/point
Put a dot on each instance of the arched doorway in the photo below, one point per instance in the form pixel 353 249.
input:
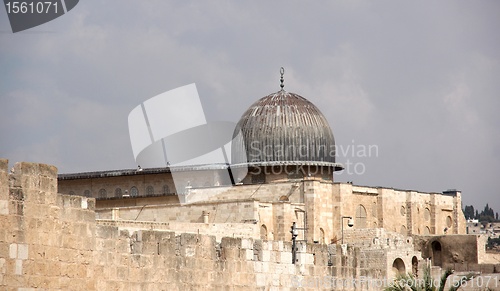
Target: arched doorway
pixel 398 267
pixel 436 253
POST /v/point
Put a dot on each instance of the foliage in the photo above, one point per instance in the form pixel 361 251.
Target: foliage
pixel 487 214
pixel 492 242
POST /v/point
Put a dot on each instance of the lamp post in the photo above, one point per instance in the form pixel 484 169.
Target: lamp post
pixel 294 233
pixel 350 223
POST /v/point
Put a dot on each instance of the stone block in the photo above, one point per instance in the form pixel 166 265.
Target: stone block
pixel 22 251
pixel 18 267
pixel 285 257
pixel 4 207
pixel 48 170
pixel 13 251
pixel 305 258
pixel 4 165
pixel 248 254
pixel 261 279
pixel 275 280
pixel 266 256
pixel 265 267
pixel 301 247
pixel 246 243
pixel 106 232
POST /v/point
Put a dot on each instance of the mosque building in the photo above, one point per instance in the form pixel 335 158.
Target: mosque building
pixel 268 216
pixel 289 160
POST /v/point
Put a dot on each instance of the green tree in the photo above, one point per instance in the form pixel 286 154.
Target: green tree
pixel 469 211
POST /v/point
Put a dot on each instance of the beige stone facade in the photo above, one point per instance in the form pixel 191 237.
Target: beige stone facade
pixel 313 203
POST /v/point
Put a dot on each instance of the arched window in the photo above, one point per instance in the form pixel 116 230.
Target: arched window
pixel 427 230
pixel 321 236
pixel 360 217
pixel 398 266
pixel 414 265
pixel 436 253
pixel 427 214
pixel 86 193
pixel 102 193
pixel 150 190
pixel 263 232
pixel 403 230
pixel 166 190
pixel 449 221
pixel 118 192
pixel 134 191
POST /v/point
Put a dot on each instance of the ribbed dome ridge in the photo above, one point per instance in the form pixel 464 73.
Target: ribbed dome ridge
pixel 285 127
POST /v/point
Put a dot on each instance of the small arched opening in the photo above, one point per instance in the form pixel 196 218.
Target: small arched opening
pixel 436 253
pixel 403 230
pixel 414 265
pixel 398 267
pixel 102 193
pixel 360 217
pixel 134 191
pixel 263 232
pixel 321 236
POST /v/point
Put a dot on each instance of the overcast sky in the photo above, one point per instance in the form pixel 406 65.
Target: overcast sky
pixel 419 80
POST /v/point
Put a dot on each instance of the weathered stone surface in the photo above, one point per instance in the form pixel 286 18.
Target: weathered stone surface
pixel 53 241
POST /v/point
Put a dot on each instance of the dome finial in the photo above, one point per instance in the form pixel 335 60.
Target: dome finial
pixel 282 72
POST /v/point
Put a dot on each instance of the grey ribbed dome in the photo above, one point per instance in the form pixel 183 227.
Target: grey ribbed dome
pixel 285 128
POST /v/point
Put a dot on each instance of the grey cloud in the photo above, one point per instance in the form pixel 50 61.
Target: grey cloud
pixel 417 79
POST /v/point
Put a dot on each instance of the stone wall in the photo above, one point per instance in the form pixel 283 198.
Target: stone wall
pixel 47 241
pixel 51 241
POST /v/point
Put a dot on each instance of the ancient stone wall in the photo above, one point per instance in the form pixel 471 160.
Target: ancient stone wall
pixel 53 241
pixel 216 212
pixel 47 241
